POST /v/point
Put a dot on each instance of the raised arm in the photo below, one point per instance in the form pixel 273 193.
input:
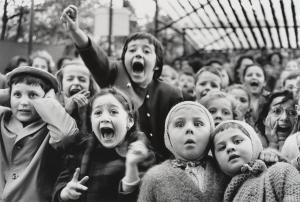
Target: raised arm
pixel 93 56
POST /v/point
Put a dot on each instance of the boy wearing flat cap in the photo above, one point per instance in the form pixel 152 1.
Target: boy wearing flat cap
pixel 32 130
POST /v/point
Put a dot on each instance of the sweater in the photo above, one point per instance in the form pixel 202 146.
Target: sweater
pixel 164 182
pixel 280 182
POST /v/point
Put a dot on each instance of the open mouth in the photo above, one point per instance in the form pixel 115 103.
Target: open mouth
pixel 74 91
pixel 137 67
pixel 254 84
pixel 203 93
pixel 233 156
pixel 107 133
pixel 284 129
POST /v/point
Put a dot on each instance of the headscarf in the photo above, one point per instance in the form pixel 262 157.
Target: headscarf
pixel 182 105
pixel 248 130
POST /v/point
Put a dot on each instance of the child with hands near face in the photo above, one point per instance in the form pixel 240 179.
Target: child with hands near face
pixel 77 87
pixel 191 175
pixel 34 131
pixel 136 74
pixel 236 147
pixel 110 160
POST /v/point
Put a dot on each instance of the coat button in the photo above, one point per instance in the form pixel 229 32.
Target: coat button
pixel 14 176
pixel 151 134
pixel 147 96
pixel 148 115
pixel 128 85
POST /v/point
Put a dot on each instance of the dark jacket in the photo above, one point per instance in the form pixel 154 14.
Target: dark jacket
pixel 105 168
pixel 158 98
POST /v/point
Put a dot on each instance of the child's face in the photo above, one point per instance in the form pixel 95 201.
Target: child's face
pixel 40 63
pixel 232 150
pixel 170 76
pixel 140 61
pixel 206 82
pixel 284 115
pixel 75 78
pixel 291 66
pixel 110 121
pixel 187 83
pixel 20 101
pixel 242 97
pixel 291 85
pixel 254 79
pixel 220 109
pixel 189 131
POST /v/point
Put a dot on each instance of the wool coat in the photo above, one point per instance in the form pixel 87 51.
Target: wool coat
pixel 29 155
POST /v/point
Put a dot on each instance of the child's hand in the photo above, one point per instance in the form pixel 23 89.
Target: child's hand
pixel 73 190
pixel 271 134
pixel 137 153
pixel 69 18
pixel 80 99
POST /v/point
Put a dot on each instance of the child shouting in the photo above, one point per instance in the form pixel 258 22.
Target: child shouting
pixel 136 75
pixel 106 165
pixel 32 129
pixel 236 147
pixel 191 175
pixel 77 87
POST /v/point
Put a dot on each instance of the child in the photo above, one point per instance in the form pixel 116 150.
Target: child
pixel 31 131
pixel 136 75
pixel 191 175
pixel 169 75
pixel 236 148
pixel 186 82
pixel 107 167
pixel 242 96
pixel 221 105
pixel 77 87
pixel 42 60
pixel 254 78
pixel 207 78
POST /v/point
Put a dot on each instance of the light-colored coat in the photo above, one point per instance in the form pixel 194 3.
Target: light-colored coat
pixel 28 160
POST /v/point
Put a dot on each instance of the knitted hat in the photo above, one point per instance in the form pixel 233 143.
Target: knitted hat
pixel 290 148
pixel 248 130
pixel 44 75
pixel 182 105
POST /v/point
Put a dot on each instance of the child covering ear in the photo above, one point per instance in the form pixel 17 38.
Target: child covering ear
pixel 33 131
pixel 236 147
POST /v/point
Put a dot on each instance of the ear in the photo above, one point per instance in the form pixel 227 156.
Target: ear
pixel 130 122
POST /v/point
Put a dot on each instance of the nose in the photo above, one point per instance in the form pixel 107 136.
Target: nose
pixel 218 115
pixel 230 148
pixel 189 128
pixel 283 116
pixel 24 101
pixel 104 118
pixel 207 87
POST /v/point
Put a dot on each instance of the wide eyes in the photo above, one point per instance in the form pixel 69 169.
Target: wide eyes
pixel 181 123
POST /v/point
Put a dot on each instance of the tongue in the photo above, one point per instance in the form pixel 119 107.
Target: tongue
pixel 138 67
pixel 108 135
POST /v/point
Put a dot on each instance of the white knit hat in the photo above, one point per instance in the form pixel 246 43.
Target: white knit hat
pixel 181 105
